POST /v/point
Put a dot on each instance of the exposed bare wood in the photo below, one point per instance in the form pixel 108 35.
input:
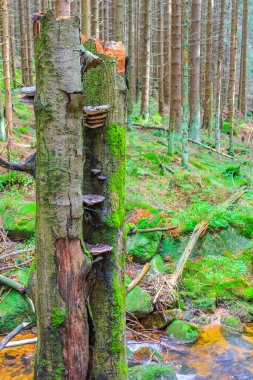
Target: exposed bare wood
pixel 12 334
pixel 138 279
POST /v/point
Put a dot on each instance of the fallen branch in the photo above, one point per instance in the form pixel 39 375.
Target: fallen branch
pixel 12 334
pixel 138 279
pixel 17 343
pixel 27 167
pixel 11 254
pixel 198 232
pixel 167 168
pixel 150 127
pixel 213 150
pixel 143 231
pixel 12 284
pixel 15 266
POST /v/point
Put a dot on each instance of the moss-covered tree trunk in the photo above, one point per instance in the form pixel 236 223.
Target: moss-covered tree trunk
pixel 103 224
pixel 61 266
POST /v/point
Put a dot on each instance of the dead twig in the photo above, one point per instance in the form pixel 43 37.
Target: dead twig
pixel 12 334
pixel 138 279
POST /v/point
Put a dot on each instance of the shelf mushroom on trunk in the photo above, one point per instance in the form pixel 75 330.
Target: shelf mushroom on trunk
pixel 29 94
pixel 95 117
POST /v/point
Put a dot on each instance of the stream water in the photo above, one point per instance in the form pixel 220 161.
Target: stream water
pixel 215 356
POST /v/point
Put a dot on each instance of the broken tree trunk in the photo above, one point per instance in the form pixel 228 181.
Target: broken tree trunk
pixel 199 231
pixel 12 284
pixel 61 266
pixel 103 222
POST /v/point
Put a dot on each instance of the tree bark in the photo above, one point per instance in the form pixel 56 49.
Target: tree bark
pixel 207 116
pixel 119 21
pixel 176 75
pixel 29 41
pixel 160 49
pixel 167 57
pixel 94 19
pixel 232 75
pixel 130 65
pixel 105 150
pixel 62 8
pixel 61 265
pixel 7 79
pixel 23 42
pixel 12 43
pixel 243 66
pixel 194 71
pixel 146 33
pixel 86 14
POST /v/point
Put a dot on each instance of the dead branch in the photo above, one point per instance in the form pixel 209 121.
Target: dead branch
pixel 27 167
pixel 138 279
pixel 11 254
pixel 12 334
pixel 17 343
pixel 12 284
pixel 147 230
pixel 213 150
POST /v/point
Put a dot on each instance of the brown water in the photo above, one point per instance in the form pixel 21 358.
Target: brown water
pixel 215 356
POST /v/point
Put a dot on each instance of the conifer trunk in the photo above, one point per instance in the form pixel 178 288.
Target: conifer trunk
pixel 146 33
pixel 130 65
pixel 61 266
pixel 6 70
pixel 94 19
pixel 194 71
pixel 29 41
pixel 105 150
pixel 12 42
pixel 167 57
pixel 23 42
pixel 232 75
pixel 176 75
pixel 86 18
pixel 160 35
pixel 243 66
pixel 119 21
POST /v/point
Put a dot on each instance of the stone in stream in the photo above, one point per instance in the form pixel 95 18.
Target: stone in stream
pixel 161 319
pixel 157 265
pixel 142 247
pixel 14 309
pixel 146 355
pixel 231 324
pixel 152 372
pixel 182 332
pixel 138 302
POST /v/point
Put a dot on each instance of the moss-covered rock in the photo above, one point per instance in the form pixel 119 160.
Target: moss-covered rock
pixel 204 320
pixel 159 319
pixel 146 354
pixel 231 324
pixel 183 332
pixel 14 309
pixel 157 265
pixel 152 372
pixel 208 305
pixel 242 310
pixel 142 247
pixel 138 302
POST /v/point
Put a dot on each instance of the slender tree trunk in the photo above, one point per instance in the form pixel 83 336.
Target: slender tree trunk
pixel 243 66
pixel 43 6
pixel 218 119
pixel 62 8
pixel 106 21
pixel 130 65
pixel 119 21
pixel 7 79
pixel 176 76
pixel 86 15
pixel 146 32
pixel 105 149
pixel 167 57
pixel 61 265
pixel 207 117
pixel 232 75
pixel 160 57
pixel 94 19
pixel 185 100
pixel 29 42
pixel 12 42
pixel 23 42
pixel 194 71
pixel 37 6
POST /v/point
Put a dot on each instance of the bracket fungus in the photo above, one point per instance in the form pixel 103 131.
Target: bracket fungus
pixel 29 94
pixel 93 199
pixel 94 117
pixel 98 249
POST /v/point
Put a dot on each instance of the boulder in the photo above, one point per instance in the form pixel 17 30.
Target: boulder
pixel 204 320
pixel 231 324
pixel 208 305
pixel 138 302
pixel 182 332
pixel 161 319
pixel 152 372
pixel 157 265
pixel 142 247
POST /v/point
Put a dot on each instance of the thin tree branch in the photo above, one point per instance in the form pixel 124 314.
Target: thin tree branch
pixel 138 279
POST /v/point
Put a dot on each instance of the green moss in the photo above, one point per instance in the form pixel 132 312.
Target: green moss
pixel 231 324
pixel 138 301
pixel 152 372
pixel 183 332
pixel 116 140
pixel 208 305
pixel 58 318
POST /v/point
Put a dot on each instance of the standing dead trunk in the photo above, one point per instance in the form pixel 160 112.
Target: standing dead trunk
pixel 61 265
pixel 194 71
pixel 146 32
pixel 176 75
pixel 103 223
pixel 23 42
pixel 86 18
pixel 7 79
pixel 232 75
pixel 243 66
